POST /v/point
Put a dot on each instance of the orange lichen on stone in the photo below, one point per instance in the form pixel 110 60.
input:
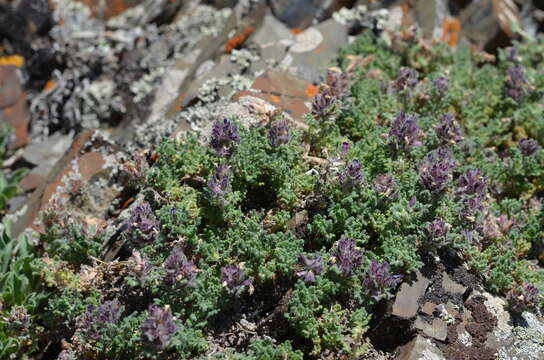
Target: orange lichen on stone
pixel 312 90
pixel 13 60
pixel 275 99
pixel 238 40
pixel 50 85
pixel 450 31
pixel 296 31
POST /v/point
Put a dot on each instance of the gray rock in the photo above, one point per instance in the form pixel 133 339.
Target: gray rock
pixel 420 349
pixel 437 330
pixel 45 154
pixel 430 15
pixel 271 32
pixel 451 286
pixel 406 301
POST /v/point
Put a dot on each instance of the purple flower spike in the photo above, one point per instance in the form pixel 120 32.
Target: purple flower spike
pixel 96 318
pixel 143 225
pixel 435 170
pixel 528 147
pixel 386 186
pixel 324 106
pixel 179 270
pixel 66 355
pixel 344 149
pixel 18 321
pixel 405 132
pixel 279 133
pixel 159 327
pixel 219 183
pixel 309 268
pixel 472 182
pixel 524 297
pixel 225 137
pixel 447 130
pixel 347 256
pixel 138 266
pixel 407 79
pixel 473 208
pixel 337 84
pixel 441 85
pixel 378 280
pixel 438 229
pixel 234 278
pixel 351 175
pixel 516 83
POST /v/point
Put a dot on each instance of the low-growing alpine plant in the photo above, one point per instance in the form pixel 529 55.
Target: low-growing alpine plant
pixel 299 235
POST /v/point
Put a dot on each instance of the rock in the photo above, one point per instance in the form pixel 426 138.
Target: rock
pixel 428 308
pixel 110 8
pixel 451 286
pixel 83 182
pixel 406 301
pixel 271 32
pixel 487 23
pixel 301 13
pixel 315 49
pixel 13 105
pixel 437 330
pixel 430 16
pixel 45 154
pixel 420 349
pixel 289 93
pixel 31 181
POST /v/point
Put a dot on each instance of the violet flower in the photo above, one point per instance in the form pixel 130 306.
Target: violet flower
pixel 378 280
pixel 337 84
pixel 225 137
pixel 142 225
pixel 437 229
pixel 435 171
pixel 447 130
pixel 219 183
pixel 528 147
pixel 159 327
pixel 524 297
pixel 139 267
pixel 324 106
pixel 279 133
pixel 386 186
pixel 351 175
pixel 66 355
pixel 234 278
pixel 178 269
pixel 472 182
pixel 473 208
pixel 18 321
pixel 347 257
pixel 96 318
pixel 441 84
pixel 405 132
pixel 309 268
pixel 516 83
pixel 407 79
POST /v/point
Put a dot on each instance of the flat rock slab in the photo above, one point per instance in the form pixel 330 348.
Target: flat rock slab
pixel 406 302
pixel 420 349
pixel 452 287
pixel 290 93
pixel 438 329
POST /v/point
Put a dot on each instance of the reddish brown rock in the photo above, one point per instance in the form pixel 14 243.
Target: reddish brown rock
pixel 31 182
pixel 282 90
pixel 13 105
pixel 406 302
pixel 76 182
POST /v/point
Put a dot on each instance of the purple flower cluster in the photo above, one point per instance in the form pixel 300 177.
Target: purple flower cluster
pixel 407 79
pixel 159 327
pixel 219 183
pixel 447 130
pixel 495 227
pixel 96 318
pixel 524 297
pixel 178 269
pixel 516 83
pixel 309 268
pixel 327 102
pixel 347 257
pixel 441 84
pixel 142 225
pixel 378 280
pixel 472 182
pixel 66 355
pixel 225 137
pixel 138 267
pixel 473 208
pixel 234 278
pixel 405 132
pixel 438 229
pixel 351 175
pixel 435 171
pixel 18 321
pixel 528 147
pixel 279 133
pixel 386 186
